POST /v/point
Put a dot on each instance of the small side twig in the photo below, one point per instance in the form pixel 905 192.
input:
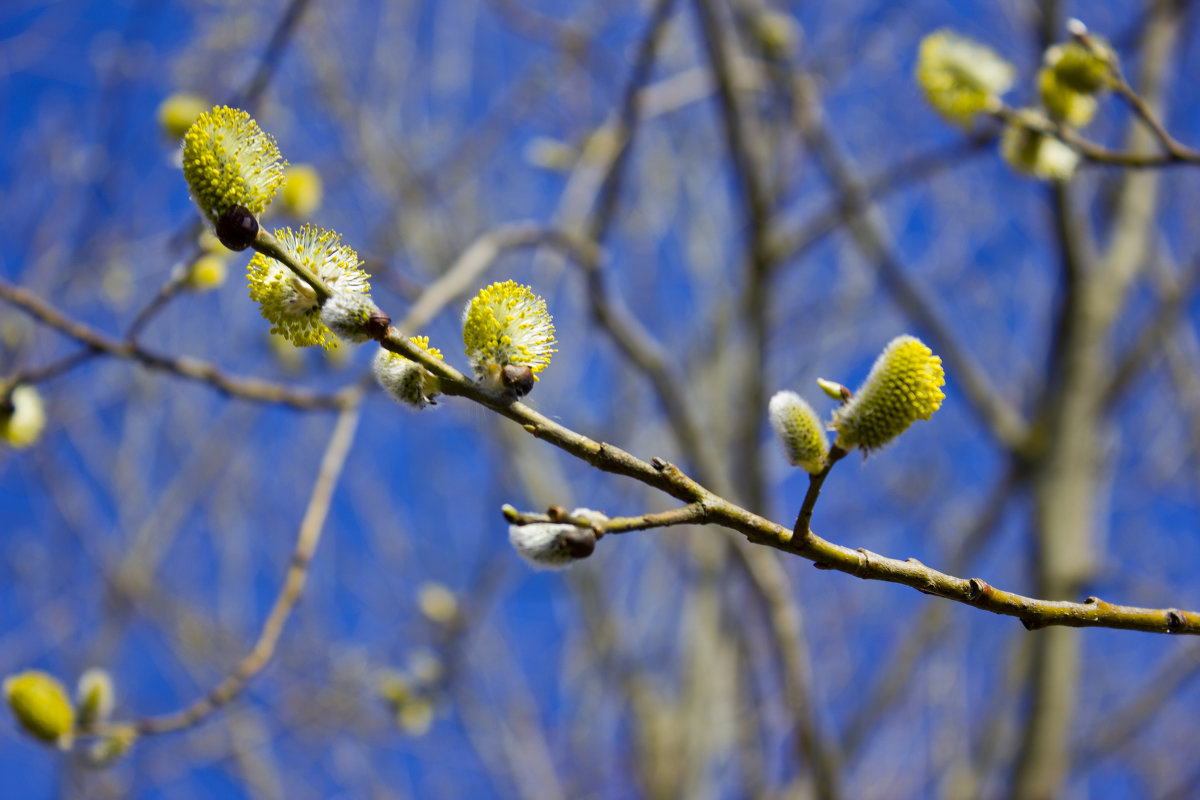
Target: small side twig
pixel 691 514
pixel 182 366
pixel 334 459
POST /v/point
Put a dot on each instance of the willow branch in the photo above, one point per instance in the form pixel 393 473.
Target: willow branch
pixel 1142 353
pixel 182 366
pixel 1123 724
pixel 1175 155
pixel 1033 613
pixel 791 244
pixel 269 246
pixel 756 215
pixel 468 269
pixel 1143 109
pixel 691 514
pixel 309 536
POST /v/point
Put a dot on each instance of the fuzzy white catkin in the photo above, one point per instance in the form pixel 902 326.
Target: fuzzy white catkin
pixel 540 543
pixel 347 314
pixel 554 545
pixel 94 696
pixel 406 381
pixel 799 430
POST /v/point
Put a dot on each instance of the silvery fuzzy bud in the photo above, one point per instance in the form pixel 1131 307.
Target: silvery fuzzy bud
pixel 407 381
pixel 94 697
pixel 353 316
pixel 437 602
pixel 799 430
pixel 551 545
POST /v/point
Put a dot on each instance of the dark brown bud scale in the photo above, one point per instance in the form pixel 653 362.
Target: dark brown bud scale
pixel 378 324
pixel 517 378
pixel 237 228
pixel 578 543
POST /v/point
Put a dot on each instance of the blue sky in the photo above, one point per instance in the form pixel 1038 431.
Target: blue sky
pixel 423 119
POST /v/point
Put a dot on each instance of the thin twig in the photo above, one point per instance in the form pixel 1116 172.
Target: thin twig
pixel 756 213
pixel 269 246
pixel 691 514
pixel 1142 353
pixel 468 269
pixel 309 536
pixel 166 293
pixel 791 244
pixel 1034 613
pixel 249 94
pixel 183 366
pixel 1097 153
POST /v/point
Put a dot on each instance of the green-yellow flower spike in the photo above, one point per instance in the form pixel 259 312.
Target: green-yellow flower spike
pixel 437 602
pixel 505 328
pixel 41 704
pixel 206 273
pixel 23 419
pixel 177 113
pixel 111 746
pixel 800 431
pixel 290 304
pixel 903 386
pixel 1063 103
pixel 228 161
pixel 1080 68
pixel 407 381
pixel 961 77
pixel 302 190
pixel 95 697
pixel 1034 153
pixel 776 33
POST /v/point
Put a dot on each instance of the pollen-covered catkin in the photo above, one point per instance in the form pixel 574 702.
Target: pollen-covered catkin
pixel 287 301
pixel 507 325
pixel 961 77
pixel 228 161
pixel 904 385
pixel 407 381
pixel 799 430
pixel 41 704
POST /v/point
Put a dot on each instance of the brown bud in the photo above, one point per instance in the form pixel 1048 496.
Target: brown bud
pixel 237 228
pixel 578 542
pixel 378 324
pixel 517 378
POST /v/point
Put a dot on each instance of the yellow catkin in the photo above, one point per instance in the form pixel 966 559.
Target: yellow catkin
pixel 904 385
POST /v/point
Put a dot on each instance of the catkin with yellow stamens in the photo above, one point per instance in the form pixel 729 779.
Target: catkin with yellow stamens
pixel 904 385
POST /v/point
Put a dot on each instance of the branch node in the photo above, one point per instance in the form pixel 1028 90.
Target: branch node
pixel 659 463
pixel 1175 621
pixel 865 563
pixel 976 588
